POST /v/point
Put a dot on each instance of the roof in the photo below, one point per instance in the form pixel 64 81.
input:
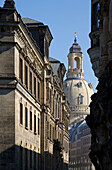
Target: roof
pixel 31 21
pixel 52 60
pixel 75 47
pixel 54 64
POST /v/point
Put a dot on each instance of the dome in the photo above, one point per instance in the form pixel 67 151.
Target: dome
pixel 75 48
pixel 76 88
pixel 78 92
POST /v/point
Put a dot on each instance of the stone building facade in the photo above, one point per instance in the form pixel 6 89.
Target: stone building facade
pixel 80 140
pixel 100 52
pixel 34 111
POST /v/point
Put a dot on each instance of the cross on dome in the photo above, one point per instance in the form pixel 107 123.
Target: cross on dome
pixel 75 36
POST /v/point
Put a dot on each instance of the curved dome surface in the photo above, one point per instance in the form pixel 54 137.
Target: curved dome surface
pixel 78 92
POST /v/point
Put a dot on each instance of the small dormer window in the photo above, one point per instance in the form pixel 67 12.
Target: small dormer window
pixel 79 84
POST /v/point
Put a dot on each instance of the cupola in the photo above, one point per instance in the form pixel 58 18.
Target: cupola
pixel 75 61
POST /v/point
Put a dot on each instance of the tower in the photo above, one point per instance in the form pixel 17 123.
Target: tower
pixel 75 61
pixel 76 88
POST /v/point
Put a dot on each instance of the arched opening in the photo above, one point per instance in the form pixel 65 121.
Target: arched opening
pixel 77 63
pixel 69 66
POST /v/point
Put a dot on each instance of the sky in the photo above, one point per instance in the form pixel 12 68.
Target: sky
pixel 64 17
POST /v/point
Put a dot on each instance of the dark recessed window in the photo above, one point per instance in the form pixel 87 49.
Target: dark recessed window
pixel 3 29
pixel 26 158
pixel 21 156
pixel 39 91
pixel 38 126
pixel 26 118
pixel 31 82
pixel 34 160
pixel 34 124
pixel 95 20
pixel 26 76
pixel 21 113
pixel 21 69
pixel 30 120
pixel 30 158
pixel 35 86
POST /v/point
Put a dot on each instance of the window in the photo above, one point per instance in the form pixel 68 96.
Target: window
pixel 95 20
pixel 47 129
pixel 34 160
pixel 35 86
pixel 34 124
pixel 38 126
pixel 39 91
pixel 30 120
pixel 53 133
pixel 26 76
pixel 38 161
pixel 21 114
pixel 21 69
pixel 26 158
pixel 21 156
pixel 50 132
pixel 26 118
pixel 30 158
pixel 77 75
pixel 31 82
pixel 80 99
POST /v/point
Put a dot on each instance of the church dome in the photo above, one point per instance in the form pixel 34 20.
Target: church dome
pixel 77 89
pixel 78 92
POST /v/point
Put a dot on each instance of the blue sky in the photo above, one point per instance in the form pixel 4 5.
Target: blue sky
pixel 63 17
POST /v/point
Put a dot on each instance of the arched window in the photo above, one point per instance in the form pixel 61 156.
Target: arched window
pixel 77 63
pixel 80 99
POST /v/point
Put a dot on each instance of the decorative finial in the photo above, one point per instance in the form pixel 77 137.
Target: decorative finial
pixel 75 36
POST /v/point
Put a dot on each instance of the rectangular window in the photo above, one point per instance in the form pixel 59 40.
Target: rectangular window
pixel 53 133
pixel 50 132
pixel 26 158
pixel 26 118
pixel 26 76
pixel 30 158
pixel 81 99
pixel 31 82
pixel 30 120
pixel 38 161
pixel 95 20
pixel 34 160
pixel 21 156
pixel 39 91
pixel 21 69
pixel 34 124
pixel 38 126
pixel 21 114
pixel 35 86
